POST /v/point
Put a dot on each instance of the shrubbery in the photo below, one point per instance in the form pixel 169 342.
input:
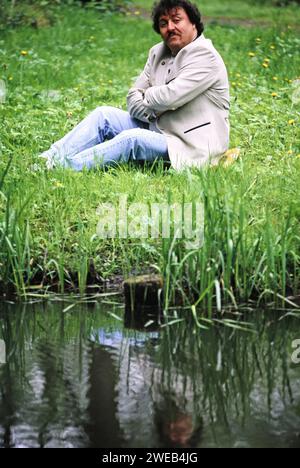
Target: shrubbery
pixel 38 13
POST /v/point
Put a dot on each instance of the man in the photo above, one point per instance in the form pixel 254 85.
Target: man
pixel 178 108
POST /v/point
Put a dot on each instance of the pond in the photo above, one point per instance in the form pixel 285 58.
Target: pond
pixel 80 377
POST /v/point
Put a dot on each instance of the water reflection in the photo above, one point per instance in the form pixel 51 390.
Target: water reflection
pixel 80 379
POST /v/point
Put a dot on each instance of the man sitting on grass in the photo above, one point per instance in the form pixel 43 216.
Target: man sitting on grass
pixel 178 108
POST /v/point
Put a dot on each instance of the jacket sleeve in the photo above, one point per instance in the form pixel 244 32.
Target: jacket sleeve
pixel 196 75
pixel 136 95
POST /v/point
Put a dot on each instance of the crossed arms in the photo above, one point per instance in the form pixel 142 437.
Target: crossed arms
pixel 197 73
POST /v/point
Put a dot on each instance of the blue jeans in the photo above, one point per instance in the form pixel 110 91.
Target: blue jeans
pixel 108 136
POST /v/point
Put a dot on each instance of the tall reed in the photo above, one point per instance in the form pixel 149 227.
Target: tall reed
pixel 242 258
pixel 15 241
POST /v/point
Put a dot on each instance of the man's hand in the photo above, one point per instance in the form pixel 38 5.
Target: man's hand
pixel 137 108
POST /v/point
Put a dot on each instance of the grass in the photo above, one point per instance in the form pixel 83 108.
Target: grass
pixel 55 75
pixel 243 10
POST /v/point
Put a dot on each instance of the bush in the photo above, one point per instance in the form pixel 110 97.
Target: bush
pixel 105 5
pixel 39 13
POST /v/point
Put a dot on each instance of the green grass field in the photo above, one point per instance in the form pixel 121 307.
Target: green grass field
pixel 55 75
pixel 244 10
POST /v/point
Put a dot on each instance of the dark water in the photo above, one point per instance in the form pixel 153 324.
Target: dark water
pixel 81 379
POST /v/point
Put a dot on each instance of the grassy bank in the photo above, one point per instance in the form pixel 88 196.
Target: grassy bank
pixel 55 75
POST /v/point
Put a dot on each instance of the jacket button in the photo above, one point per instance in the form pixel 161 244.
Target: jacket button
pixel 163 62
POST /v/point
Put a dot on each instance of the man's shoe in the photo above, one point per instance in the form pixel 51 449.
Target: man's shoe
pixel 50 158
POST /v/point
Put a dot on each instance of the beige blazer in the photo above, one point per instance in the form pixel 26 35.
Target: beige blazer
pixel 187 98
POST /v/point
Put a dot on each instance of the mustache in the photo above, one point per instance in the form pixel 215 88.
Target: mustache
pixel 172 34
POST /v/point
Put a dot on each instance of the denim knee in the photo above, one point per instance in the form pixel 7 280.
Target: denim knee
pixel 104 111
pixel 103 116
pixel 134 134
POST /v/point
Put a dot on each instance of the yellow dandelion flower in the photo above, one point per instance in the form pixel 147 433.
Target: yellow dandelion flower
pixel 274 94
pixel 58 185
pixel 272 47
pixel 233 83
pixel 265 65
pixel 251 54
pixel 24 53
pixel 69 114
pixel 238 75
pixel 10 78
pixel 275 78
pixel 290 152
pixel 137 12
pixel 110 81
pixel 291 121
pixel 258 39
pixel 298 156
pixel 267 60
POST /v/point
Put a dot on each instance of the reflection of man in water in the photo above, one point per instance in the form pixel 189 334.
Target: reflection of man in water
pixel 177 428
pixel 154 406
pixel 179 431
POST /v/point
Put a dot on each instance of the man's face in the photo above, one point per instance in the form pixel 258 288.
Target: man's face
pixel 180 430
pixel 176 29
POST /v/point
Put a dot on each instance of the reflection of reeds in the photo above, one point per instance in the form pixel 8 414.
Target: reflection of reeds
pixel 233 374
pixel 45 383
pixel 225 375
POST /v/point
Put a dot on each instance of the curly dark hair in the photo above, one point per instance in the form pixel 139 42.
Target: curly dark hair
pixel 162 7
